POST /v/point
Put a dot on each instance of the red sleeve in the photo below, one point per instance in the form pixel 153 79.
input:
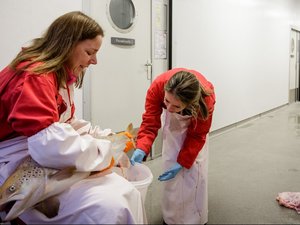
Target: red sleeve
pixel 151 117
pixel 195 140
pixel 34 105
pixel 153 109
pixel 197 131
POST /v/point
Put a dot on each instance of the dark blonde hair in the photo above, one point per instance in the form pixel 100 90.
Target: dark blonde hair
pixel 54 48
pixel 186 88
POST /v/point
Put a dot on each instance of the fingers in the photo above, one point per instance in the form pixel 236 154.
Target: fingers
pixel 132 162
pixel 137 156
pixel 135 159
pixel 166 176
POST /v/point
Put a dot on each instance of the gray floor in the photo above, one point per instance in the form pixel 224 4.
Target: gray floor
pixel 249 165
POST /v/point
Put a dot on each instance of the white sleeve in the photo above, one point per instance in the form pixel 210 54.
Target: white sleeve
pixel 60 145
pixel 84 127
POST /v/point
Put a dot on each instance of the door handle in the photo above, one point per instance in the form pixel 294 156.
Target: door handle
pixel 149 69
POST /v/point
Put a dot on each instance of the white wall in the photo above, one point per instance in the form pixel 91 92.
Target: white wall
pixel 242 46
pixel 22 21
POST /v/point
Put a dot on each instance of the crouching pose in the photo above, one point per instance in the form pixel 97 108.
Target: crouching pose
pixel 181 101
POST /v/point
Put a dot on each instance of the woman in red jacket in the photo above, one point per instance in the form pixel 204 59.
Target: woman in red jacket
pixel 37 119
pixel 182 102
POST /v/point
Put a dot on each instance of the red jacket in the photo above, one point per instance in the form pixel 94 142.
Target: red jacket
pixel 197 131
pixel 28 103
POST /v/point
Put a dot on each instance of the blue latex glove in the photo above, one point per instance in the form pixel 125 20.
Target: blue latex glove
pixel 137 156
pixel 171 173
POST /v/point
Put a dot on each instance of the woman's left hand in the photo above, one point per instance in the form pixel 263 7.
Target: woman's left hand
pixel 171 173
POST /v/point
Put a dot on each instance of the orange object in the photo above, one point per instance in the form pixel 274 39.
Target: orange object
pixel 112 162
pixel 129 144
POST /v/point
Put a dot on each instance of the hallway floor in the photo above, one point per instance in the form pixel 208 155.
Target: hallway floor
pixel 248 166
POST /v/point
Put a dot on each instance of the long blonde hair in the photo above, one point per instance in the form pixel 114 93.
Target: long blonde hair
pixel 54 48
pixel 186 88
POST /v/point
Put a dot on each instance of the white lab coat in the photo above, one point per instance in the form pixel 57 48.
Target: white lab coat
pixel 184 198
pixel 107 199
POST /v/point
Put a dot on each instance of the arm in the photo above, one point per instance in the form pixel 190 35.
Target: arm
pixel 60 146
pixel 50 143
pixel 195 140
pixel 85 127
pixel 151 118
pixel 33 104
pixel 196 136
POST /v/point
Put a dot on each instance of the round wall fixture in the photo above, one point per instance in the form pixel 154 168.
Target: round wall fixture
pixel 121 15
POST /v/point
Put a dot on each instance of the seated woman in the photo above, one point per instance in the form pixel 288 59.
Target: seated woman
pixel 37 119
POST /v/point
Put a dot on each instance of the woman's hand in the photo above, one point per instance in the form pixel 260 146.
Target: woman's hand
pixel 137 156
pixel 171 173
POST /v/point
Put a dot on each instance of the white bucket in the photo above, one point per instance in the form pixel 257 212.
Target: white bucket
pixel 141 177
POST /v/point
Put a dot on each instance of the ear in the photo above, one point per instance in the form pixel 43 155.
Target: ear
pixel 134 132
pixel 129 128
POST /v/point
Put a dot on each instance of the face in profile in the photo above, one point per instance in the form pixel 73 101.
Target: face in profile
pixel 84 54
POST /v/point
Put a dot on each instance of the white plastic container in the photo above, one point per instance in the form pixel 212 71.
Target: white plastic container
pixel 141 177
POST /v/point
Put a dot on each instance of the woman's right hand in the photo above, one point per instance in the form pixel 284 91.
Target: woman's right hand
pixel 137 156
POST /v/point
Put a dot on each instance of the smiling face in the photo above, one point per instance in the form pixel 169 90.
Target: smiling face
pixel 172 103
pixel 84 54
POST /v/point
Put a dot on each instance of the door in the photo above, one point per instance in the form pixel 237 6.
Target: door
pixel 294 67
pixel 160 52
pixel 116 87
